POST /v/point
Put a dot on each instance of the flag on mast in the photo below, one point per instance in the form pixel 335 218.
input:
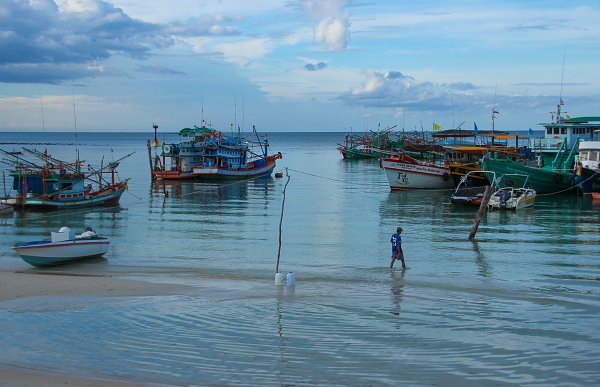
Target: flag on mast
pixel 436 126
pixel 475 130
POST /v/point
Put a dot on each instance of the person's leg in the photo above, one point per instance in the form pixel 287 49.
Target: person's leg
pixel 401 254
pixel 393 260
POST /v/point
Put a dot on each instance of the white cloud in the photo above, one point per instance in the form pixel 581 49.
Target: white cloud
pixel 333 25
pixel 245 51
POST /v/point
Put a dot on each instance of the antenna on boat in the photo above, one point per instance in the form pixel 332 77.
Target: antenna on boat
pixel 234 112
pixel 494 111
pixel 75 125
pixel 562 76
pixel 43 124
pixel 202 110
pixel 452 106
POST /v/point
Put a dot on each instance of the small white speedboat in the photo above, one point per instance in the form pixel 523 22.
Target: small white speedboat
pixel 512 198
pixel 63 247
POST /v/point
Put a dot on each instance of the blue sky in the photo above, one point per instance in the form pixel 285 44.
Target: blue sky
pixel 307 65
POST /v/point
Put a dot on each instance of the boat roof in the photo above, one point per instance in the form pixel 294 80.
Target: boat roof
pixel 468 133
pixel 195 130
pixel 585 121
pixel 478 149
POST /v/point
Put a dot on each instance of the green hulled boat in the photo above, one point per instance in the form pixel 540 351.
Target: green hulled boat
pixel 544 179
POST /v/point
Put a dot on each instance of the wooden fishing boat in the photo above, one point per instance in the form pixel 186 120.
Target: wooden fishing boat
pixel 56 184
pixel 63 247
pixel 404 172
pixel 511 197
pixel 370 145
pixel 205 153
pixel 545 180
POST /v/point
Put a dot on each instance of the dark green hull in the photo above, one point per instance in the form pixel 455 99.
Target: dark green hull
pixel 542 180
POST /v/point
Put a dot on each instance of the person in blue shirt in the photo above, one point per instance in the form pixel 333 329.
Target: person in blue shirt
pixel 397 248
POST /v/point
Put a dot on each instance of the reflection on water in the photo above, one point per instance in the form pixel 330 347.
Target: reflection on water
pixel 485 269
pixel 397 279
pixel 465 312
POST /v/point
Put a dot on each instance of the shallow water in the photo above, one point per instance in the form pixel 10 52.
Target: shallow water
pixel 518 306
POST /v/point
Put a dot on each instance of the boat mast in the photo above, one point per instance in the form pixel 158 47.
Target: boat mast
pixel 76 140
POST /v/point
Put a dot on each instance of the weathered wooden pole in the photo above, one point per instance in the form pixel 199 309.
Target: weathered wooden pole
pixel 481 212
pixel 281 220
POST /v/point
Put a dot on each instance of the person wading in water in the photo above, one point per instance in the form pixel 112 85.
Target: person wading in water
pixel 397 248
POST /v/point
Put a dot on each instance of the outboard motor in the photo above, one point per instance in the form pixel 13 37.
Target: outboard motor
pixel 504 196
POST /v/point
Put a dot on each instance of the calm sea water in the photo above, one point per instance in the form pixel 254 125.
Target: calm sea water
pixel 519 306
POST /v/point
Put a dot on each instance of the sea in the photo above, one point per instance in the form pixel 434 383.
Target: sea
pixel 519 305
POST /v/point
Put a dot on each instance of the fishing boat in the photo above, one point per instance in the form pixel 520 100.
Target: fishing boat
pixel 370 145
pixel 562 133
pixel 469 192
pixel 587 170
pixel 50 183
pixel 511 197
pixel 62 247
pixel 206 153
pixel 555 153
pixel 405 172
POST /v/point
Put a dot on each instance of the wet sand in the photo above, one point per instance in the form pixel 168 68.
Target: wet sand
pixel 30 283
pixel 15 285
pixel 15 376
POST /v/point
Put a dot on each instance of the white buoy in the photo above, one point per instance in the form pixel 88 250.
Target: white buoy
pixel 291 279
pixel 279 279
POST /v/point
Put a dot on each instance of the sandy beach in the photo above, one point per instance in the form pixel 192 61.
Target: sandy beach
pixel 30 283
pixel 15 285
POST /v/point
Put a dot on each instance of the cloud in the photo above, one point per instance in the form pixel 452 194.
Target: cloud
pixel 243 52
pixel 315 66
pixel 393 89
pixel 332 28
pixel 157 69
pixel 213 25
pixel 49 73
pixel 65 40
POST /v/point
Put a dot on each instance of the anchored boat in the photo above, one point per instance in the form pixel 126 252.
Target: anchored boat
pixel 404 172
pixel 56 184
pixel 511 197
pixel 469 191
pixel 207 153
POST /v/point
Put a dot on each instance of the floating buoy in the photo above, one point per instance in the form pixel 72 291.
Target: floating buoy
pixel 279 279
pixel 291 279
pixel 278 174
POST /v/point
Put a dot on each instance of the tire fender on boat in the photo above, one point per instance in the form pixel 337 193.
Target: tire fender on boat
pixel 445 176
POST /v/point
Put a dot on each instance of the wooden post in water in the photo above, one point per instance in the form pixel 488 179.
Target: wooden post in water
pixel 481 212
pixel 281 220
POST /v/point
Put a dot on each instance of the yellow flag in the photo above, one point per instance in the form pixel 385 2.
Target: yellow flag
pixel 436 126
pixel 568 117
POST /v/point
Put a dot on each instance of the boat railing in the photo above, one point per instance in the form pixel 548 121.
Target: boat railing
pixel 547 144
pixel 561 162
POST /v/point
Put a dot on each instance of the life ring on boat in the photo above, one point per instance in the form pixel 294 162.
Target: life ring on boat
pixel 558 178
pixel 166 148
pixel 558 145
pixel 445 176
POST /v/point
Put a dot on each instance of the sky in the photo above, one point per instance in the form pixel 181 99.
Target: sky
pixel 295 65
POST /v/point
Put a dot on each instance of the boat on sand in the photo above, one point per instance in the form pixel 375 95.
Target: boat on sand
pixel 62 247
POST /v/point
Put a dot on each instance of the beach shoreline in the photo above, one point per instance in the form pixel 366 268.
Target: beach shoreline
pixel 18 285
pixel 25 376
